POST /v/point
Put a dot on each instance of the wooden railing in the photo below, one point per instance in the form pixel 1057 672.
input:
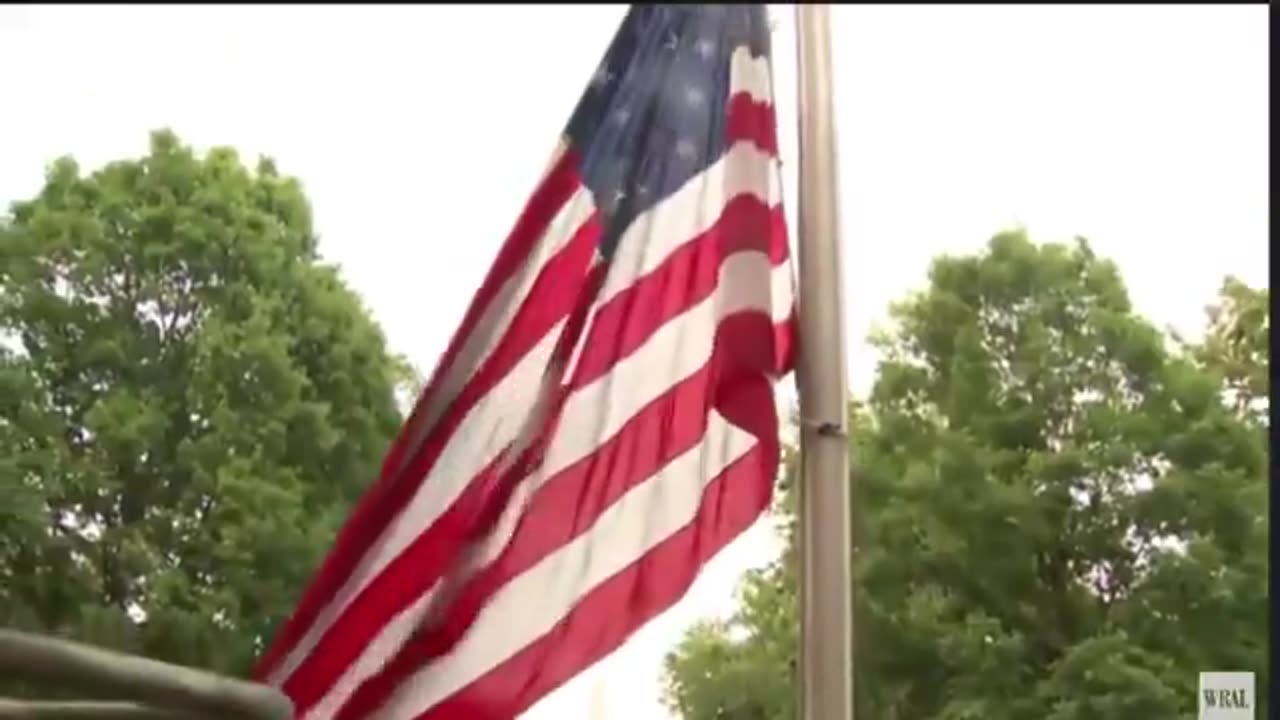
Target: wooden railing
pixel 131 688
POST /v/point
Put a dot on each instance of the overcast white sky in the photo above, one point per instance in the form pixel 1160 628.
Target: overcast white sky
pixel 420 131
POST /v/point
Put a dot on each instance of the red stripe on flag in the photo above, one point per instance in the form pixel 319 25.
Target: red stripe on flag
pixel 619 327
pixel 388 494
pixel 685 278
pixel 747 118
pixel 552 194
pixel 670 425
pixel 784 344
pixel 554 295
pixel 612 611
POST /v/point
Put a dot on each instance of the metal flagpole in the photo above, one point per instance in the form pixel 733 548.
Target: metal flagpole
pixel 826 607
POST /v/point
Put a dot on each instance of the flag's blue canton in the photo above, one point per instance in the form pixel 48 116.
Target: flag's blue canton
pixel 654 114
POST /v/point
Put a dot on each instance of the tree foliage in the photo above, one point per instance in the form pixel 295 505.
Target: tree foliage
pixel 1061 512
pixel 189 401
pixel 1237 347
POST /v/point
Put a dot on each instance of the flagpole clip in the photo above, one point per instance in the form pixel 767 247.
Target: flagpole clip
pixel 825 429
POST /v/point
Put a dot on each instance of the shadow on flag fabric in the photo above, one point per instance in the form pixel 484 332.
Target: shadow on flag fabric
pixel 602 423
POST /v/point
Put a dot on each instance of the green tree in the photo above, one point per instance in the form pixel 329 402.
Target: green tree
pixel 1237 346
pixel 1061 514
pixel 189 402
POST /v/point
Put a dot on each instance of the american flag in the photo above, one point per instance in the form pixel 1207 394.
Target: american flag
pixel 602 423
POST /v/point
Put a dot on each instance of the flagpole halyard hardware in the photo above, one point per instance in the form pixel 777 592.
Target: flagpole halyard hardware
pixel 136 688
pixel 831 430
pixel 826 429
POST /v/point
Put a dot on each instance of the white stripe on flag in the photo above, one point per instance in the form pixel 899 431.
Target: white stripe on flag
pixel 495 421
pixel 750 75
pixel 690 211
pixel 489 427
pixel 497 317
pixel 674 352
pixel 648 514
pixel 597 411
